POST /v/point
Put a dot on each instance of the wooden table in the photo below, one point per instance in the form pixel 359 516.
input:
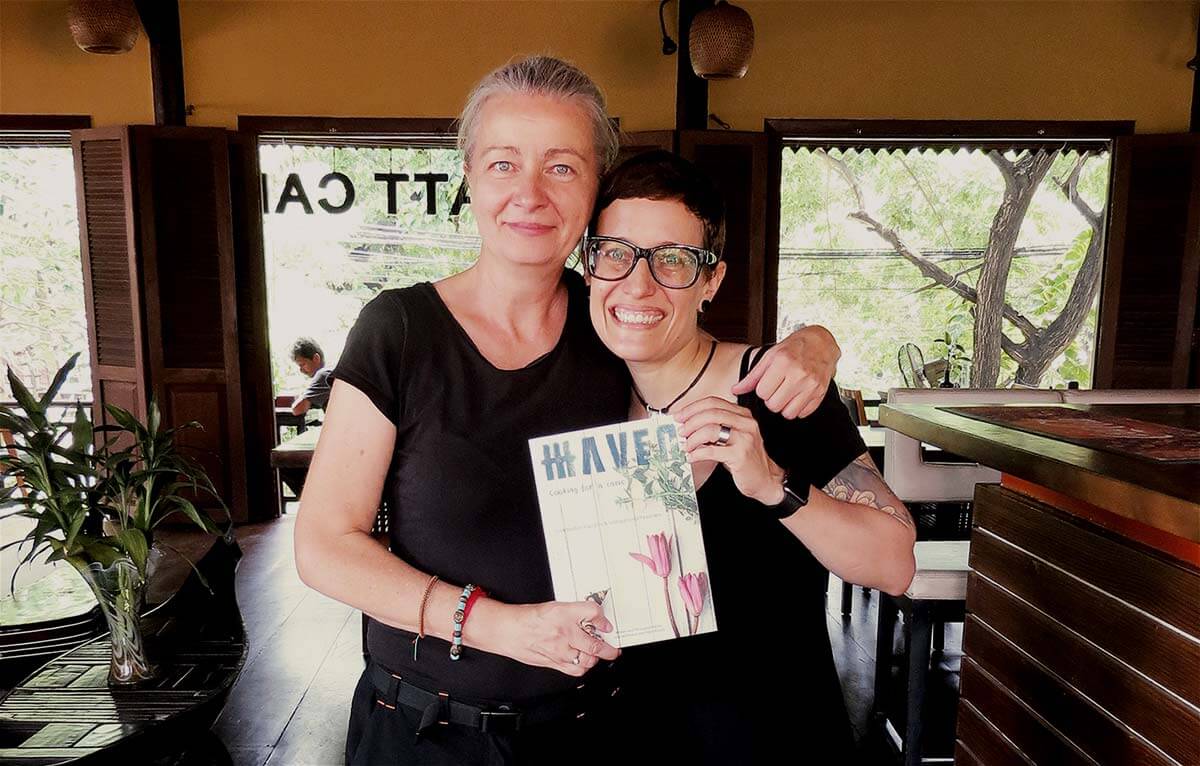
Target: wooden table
pixel 284 417
pixel 66 713
pixel 1083 625
pixel 297 451
pixel 291 459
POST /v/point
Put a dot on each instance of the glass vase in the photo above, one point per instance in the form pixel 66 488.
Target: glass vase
pixel 121 591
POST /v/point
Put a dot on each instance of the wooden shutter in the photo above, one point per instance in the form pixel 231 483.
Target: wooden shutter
pixel 111 270
pixel 1148 320
pixel 645 141
pixel 157 241
pixel 258 404
pixel 737 161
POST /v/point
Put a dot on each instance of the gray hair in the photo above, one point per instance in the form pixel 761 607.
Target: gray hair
pixel 543 76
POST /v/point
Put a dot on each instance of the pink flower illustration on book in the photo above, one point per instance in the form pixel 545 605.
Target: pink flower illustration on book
pixel 659 562
pixel 693 587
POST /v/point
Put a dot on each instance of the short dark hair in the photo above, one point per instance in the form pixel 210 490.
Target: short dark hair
pixel 307 348
pixel 661 175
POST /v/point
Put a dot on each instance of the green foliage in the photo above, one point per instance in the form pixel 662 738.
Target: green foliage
pixel 836 272
pixel 41 292
pixel 322 268
pixel 89 503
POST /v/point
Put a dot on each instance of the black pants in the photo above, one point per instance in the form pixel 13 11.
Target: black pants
pixel 380 736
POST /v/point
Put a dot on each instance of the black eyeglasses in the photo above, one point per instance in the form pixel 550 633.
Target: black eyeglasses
pixel 674 266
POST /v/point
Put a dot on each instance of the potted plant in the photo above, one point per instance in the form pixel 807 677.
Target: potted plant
pixel 96 496
pixel 955 358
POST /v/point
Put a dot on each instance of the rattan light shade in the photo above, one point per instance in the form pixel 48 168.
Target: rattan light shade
pixel 103 26
pixel 720 42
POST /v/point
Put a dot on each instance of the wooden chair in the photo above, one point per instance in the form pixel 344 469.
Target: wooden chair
pixel 853 399
pixel 936 596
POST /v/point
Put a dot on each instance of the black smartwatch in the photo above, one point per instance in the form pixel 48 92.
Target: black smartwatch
pixel 795 497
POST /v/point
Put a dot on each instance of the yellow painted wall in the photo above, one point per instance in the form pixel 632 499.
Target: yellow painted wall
pixel 412 59
pixel 42 72
pixel 967 60
pixel 944 60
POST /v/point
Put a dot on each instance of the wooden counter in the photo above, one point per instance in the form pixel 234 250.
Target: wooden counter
pixel 1082 638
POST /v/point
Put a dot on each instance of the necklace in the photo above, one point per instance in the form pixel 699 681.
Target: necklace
pixel 712 350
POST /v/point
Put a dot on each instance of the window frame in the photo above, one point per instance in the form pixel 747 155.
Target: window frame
pixel 994 134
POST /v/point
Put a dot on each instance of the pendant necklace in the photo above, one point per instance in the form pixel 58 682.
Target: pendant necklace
pixel 695 380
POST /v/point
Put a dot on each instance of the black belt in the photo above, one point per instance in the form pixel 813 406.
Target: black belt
pixel 438 708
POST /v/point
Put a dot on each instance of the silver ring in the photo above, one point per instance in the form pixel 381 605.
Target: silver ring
pixel 588 627
pixel 723 436
pixel 578 654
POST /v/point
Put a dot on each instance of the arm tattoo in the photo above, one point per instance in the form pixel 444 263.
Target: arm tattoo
pixel 860 483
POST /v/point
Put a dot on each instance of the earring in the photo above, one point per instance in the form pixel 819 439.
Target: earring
pixel 704 304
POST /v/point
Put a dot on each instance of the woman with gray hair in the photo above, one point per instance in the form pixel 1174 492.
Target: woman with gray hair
pixel 437 392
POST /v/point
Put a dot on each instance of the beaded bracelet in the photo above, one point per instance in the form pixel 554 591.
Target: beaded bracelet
pixel 460 616
pixel 421 615
pixel 478 594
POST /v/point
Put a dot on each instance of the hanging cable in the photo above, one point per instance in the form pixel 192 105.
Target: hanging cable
pixel 669 45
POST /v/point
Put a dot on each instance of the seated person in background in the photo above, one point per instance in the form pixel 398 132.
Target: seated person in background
pixel 308 357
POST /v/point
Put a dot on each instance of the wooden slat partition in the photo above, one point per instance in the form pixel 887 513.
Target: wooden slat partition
pixel 1028 731
pixel 1167 656
pixel 984 740
pixel 1080 647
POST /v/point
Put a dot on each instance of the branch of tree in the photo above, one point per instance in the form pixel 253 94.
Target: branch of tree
pixel 1007 169
pixel 927 267
pixel 1070 187
pixel 847 175
pixel 931 270
pixel 1016 351
pixel 928 200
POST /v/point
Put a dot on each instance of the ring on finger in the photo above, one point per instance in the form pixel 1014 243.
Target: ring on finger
pixel 578 654
pixel 723 436
pixel 587 627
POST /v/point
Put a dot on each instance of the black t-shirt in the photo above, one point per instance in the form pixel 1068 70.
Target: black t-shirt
pixel 460 490
pixel 318 388
pixel 767 675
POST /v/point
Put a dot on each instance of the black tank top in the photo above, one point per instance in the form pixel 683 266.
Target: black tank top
pixel 765 679
pixel 460 490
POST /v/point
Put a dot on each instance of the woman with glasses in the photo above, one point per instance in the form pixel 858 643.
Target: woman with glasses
pixel 782 503
pixel 436 394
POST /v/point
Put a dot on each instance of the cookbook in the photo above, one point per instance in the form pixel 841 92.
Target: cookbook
pixel 622 528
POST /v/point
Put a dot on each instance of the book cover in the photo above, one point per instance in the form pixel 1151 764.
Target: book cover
pixel 623 528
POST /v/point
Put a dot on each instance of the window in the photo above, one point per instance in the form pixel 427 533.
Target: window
pixel 42 312
pixel 350 216
pixel 984 252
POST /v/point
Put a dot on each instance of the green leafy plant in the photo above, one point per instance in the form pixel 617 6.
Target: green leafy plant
pixel 955 358
pixel 95 494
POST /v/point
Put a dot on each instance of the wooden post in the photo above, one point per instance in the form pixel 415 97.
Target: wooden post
pixel 691 92
pixel 160 19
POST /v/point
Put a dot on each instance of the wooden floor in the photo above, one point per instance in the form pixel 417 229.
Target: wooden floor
pixel 291 702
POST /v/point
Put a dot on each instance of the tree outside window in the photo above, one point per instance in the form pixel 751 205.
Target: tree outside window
pixel 324 264
pixel 997 251
pixel 42 313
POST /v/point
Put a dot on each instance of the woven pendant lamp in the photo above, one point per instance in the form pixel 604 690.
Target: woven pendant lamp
pixel 720 42
pixel 103 26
